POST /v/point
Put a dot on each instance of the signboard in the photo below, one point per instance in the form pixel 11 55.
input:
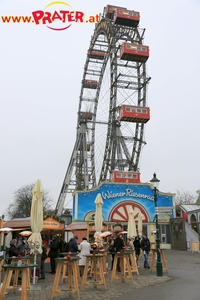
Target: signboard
pixel 52 224
pixel 118 199
pixel 195 246
pixel 164 210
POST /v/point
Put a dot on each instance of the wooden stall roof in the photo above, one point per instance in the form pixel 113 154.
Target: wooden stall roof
pixel 75 226
pixel 18 223
pixel 24 223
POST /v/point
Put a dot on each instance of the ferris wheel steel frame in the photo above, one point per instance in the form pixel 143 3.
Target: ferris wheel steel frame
pixel 126 78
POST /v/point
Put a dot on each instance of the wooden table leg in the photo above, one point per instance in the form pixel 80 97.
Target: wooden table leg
pixel 113 274
pixel 164 261
pixel 94 266
pixel 133 263
pixel 130 276
pixel 64 276
pixel 56 280
pixel 24 285
pixel 101 270
pixel 75 272
pixel 84 279
pixel 6 283
pixel 152 266
pixel 70 278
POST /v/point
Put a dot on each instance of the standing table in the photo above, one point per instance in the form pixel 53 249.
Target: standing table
pixel 133 264
pixel 125 266
pixel 96 262
pixel 24 268
pixel 164 262
pixel 25 260
pixel 104 253
pixel 71 264
pixel 64 273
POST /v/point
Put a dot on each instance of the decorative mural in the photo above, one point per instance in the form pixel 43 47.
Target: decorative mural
pixel 118 198
pixel 120 213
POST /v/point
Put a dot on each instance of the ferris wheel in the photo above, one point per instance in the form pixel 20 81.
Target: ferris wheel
pixel 112 110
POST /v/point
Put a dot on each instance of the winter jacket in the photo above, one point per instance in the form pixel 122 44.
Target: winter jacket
pixel 118 244
pixel 137 246
pixel 44 253
pixel 54 247
pixel 145 245
pixel 84 250
pixel 73 247
pixel 13 251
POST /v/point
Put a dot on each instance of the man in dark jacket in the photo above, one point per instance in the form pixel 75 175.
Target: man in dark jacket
pixel 146 247
pixel 73 247
pixel 53 253
pixel 118 245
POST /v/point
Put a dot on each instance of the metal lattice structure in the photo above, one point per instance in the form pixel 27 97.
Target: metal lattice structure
pixel 103 142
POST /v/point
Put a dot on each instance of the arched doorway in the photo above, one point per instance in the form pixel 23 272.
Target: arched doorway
pixel 193 221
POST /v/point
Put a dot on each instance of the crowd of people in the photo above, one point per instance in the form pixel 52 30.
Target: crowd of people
pixel 20 247
pixel 137 244
pixel 115 244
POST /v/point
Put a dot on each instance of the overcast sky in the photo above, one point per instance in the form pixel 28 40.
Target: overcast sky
pixel 40 80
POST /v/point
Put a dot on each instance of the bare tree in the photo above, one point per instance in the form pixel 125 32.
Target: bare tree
pixel 185 197
pixel 21 206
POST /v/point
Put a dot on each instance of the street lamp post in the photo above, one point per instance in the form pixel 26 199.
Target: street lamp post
pixel 159 268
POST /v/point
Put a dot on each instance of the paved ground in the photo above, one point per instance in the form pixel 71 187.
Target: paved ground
pixel 115 290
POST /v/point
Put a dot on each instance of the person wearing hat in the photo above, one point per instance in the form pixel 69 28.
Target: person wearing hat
pixel 53 253
pixel 73 247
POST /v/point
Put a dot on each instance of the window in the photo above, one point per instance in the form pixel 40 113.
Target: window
pixel 164 234
pixel 139 110
pixel 144 111
pixel 128 46
pixel 128 109
pixel 144 49
pixel 118 175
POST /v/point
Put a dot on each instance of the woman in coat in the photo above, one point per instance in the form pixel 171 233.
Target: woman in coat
pixel 84 249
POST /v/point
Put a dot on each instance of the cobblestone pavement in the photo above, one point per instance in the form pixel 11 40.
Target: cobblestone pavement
pixel 42 289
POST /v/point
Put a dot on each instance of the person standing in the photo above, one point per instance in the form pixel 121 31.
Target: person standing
pixel 53 253
pixel 137 247
pixel 146 247
pixel 118 245
pixel 130 243
pixel 111 249
pixel 84 250
pixel 43 257
pixel 73 247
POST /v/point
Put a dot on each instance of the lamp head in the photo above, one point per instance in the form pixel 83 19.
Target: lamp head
pixel 155 181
